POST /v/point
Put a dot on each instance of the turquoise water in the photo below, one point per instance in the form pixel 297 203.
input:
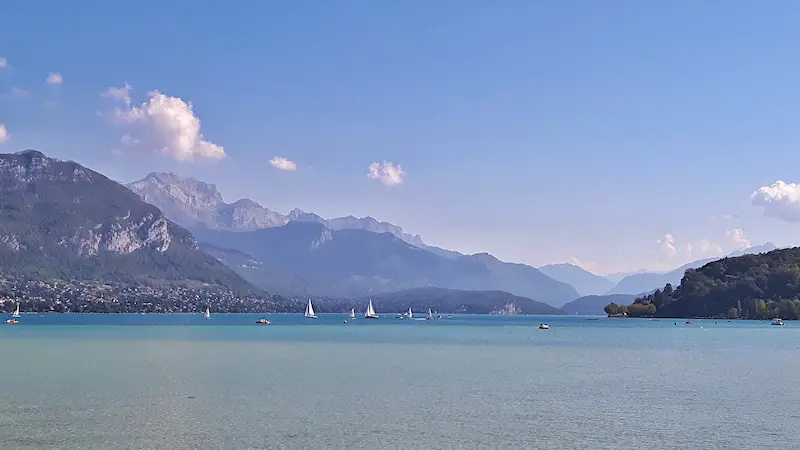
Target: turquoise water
pixel 179 381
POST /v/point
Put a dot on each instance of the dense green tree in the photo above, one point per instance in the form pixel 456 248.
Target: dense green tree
pixel 759 286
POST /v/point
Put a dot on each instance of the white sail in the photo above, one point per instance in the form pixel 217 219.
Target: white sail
pixel 16 312
pixel 352 314
pixel 208 313
pixel 310 310
pixel 410 314
pixel 370 311
pixel 430 314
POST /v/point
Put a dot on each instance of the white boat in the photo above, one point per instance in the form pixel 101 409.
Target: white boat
pixel 207 314
pixel 310 311
pixel 409 314
pixel 430 314
pixel 16 312
pixel 544 326
pixel 777 321
pixel 370 314
pixel 352 314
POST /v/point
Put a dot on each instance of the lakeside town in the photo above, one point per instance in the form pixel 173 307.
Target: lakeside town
pixel 59 296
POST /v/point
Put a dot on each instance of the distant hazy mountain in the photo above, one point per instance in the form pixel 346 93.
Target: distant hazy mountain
pixel 763 248
pixel 353 263
pixel 585 282
pixel 458 301
pixel 270 278
pixel 618 276
pixel 61 220
pixel 193 203
pixel 646 282
pixel 594 304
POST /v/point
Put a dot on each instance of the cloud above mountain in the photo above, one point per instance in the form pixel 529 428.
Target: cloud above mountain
pixel 282 163
pixel 737 239
pixel 3 63
pixel 386 172
pixel 672 252
pixel 164 124
pixel 779 200
pixel 4 136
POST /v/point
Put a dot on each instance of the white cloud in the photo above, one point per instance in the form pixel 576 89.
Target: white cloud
pixel 18 92
pixel 127 140
pixel 55 78
pixel 387 173
pixel 3 63
pixel 117 152
pixel 780 200
pixel 166 125
pixel 667 245
pixel 702 248
pixel 724 217
pixel 4 136
pixel 121 93
pixel 738 239
pixel 282 163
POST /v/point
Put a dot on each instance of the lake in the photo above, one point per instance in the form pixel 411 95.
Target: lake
pixel 181 382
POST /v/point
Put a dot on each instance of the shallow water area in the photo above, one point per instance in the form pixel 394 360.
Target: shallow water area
pixel 179 381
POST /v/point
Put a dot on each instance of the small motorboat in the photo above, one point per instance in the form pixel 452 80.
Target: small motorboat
pixel 688 322
pixel 544 326
pixel 12 321
pixel 777 321
pixel 263 322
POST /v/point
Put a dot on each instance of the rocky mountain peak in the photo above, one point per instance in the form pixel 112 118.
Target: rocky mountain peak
pixel 191 202
pixel 31 165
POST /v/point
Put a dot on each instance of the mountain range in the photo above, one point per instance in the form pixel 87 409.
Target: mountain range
pixel 585 282
pixel 62 220
pixel 195 203
pixel 59 219
pixel 302 253
pixel 314 260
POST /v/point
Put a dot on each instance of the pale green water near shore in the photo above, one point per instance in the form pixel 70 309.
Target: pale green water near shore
pixel 468 382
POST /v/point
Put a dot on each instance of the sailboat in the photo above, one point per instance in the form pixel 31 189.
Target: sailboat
pixel 310 311
pixel 207 314
pixel 430 314
pixel 352 314
pixel 16 312
pixel 410 314
pixel 370 314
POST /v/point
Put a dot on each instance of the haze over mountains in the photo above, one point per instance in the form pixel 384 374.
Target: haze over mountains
pixel 585 282
pixel 61 220
pixel 303 254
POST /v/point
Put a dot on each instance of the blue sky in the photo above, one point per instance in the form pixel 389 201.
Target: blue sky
pixel 537 131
